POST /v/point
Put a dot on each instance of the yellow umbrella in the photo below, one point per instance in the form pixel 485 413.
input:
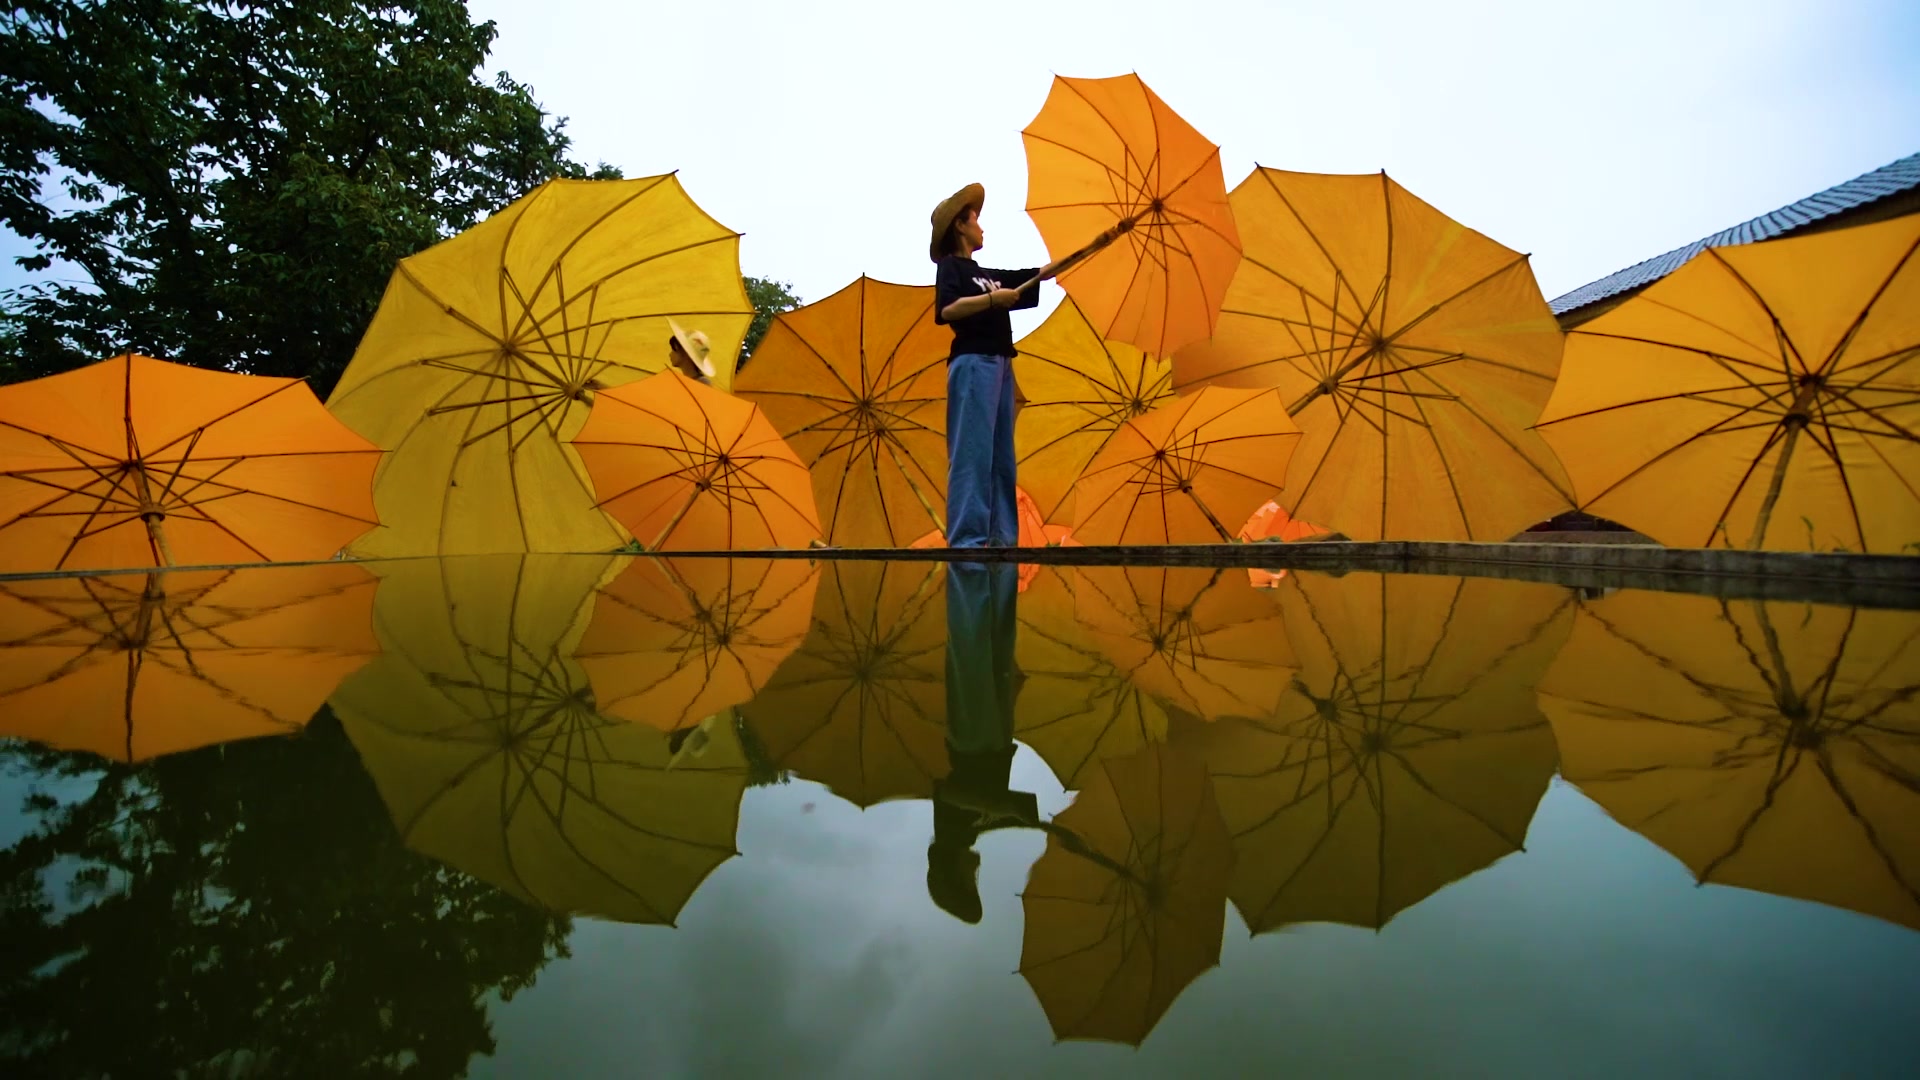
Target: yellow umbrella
pixel 1761 396
pixel 1768 745
pixel 1407 752
pixel 1075 707
pixel 1079 390
pixel 1128 904
pixel 1413 352
pixel 1108 154
pixel 857 385
pixel 1195 637
pixel 686 467
pixel 134 666
pixel 674 641
pixel 1186 473
pixel 862 707
pixel 482 735
pixel 488 349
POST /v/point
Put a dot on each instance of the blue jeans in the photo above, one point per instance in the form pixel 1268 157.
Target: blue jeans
pixel 981 511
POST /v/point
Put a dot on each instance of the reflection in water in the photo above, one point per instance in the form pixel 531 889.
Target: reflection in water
pixel 1770 745
pixel 861 707
pixel 483 736
pixel 1406 752
pixel 132 666
pixel 579 731
pixel 674 641
pixel 1128 904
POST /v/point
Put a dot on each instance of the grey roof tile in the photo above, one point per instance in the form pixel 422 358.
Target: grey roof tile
pixel 1900 176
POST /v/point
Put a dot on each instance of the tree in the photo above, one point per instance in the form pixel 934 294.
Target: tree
pixel 246 909
pixel 769 298
pixel 232 181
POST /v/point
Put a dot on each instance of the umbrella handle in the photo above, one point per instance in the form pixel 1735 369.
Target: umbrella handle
pixel 1099 244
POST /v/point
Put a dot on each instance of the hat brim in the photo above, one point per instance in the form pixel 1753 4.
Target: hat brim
pixel 702 359
pixel 950 209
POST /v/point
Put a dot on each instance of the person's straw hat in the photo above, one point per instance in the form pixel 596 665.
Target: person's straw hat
pixel 695 345
pixel 949 209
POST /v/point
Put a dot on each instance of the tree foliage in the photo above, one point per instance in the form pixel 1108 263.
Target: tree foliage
pixel 230 182
pixel 769 298
pixel 246 909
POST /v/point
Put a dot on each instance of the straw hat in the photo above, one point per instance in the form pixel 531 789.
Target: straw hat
pixel 695 345
pixel 950 208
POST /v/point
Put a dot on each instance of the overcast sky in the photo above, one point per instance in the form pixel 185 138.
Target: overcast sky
pixel 1590 135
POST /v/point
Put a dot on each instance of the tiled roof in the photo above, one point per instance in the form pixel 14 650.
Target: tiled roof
pixel 1902 175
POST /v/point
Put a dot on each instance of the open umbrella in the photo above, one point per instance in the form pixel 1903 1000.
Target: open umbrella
pixel 1413 352
pixel 136 462
pixel 483 738
pixel 1128 904
pixel 1406 753
pixel 861 707
pixel 1187 471
pixel 487 350
pixel 1768 745
pixel 1107 153
pixel 857 385
pixel 133 666
pixel 1195 637
pixel 1075 707
pixel 1776 385
pixel 674 641
pixel 1080 389
pixel 686 467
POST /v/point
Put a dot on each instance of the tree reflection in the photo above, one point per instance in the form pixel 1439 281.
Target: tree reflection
pixel 245 909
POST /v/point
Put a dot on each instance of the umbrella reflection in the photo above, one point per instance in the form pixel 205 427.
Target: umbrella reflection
pixel 134 666
pixel 1406 753
pixel 861 706
pixel 1128 904
pixel 674 641
pixel 1075 706
pixel 1769 745
pixel 484 739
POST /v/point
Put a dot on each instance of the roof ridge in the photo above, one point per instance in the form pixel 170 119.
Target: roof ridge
pixel 1887 180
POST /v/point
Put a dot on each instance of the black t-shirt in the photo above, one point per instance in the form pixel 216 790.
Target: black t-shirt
pixel 990 332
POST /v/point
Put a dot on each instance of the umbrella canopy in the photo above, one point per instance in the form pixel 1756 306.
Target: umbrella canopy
pixel 862 706
pixel 1768 745
pixel 1129 906
pixel 1080 389
pixel 1108 151
pixel 1406 753
pixel 1776 384
pixel 136 462
pixel 1075 708
pixel 487 350
pixel 1413 352
pixel 674 641
pixel 1195 637
pixel 686 467
pixel 134 666
pixel 857 384
pixel 482 735
pixel 1271 522
pixel 1187 471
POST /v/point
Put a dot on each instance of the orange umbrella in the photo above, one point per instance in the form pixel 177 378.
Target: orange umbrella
pixel 674 641
pixel 1079 391
pixel 1413 352
pixel 1195 637
pixel 1270 522
pixel 686 467
pixel 1107 153
pixel 137 462
pixel 857 384
pixel 862 706
pixel 1183 472
pixel 1128 904
pixel 134 666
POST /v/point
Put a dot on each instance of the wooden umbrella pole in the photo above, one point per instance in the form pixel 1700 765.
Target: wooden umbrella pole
pixel 1099 244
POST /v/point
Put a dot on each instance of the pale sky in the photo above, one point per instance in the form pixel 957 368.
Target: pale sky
pixel 1590 135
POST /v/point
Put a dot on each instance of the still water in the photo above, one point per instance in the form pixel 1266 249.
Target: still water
pixel 597 816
